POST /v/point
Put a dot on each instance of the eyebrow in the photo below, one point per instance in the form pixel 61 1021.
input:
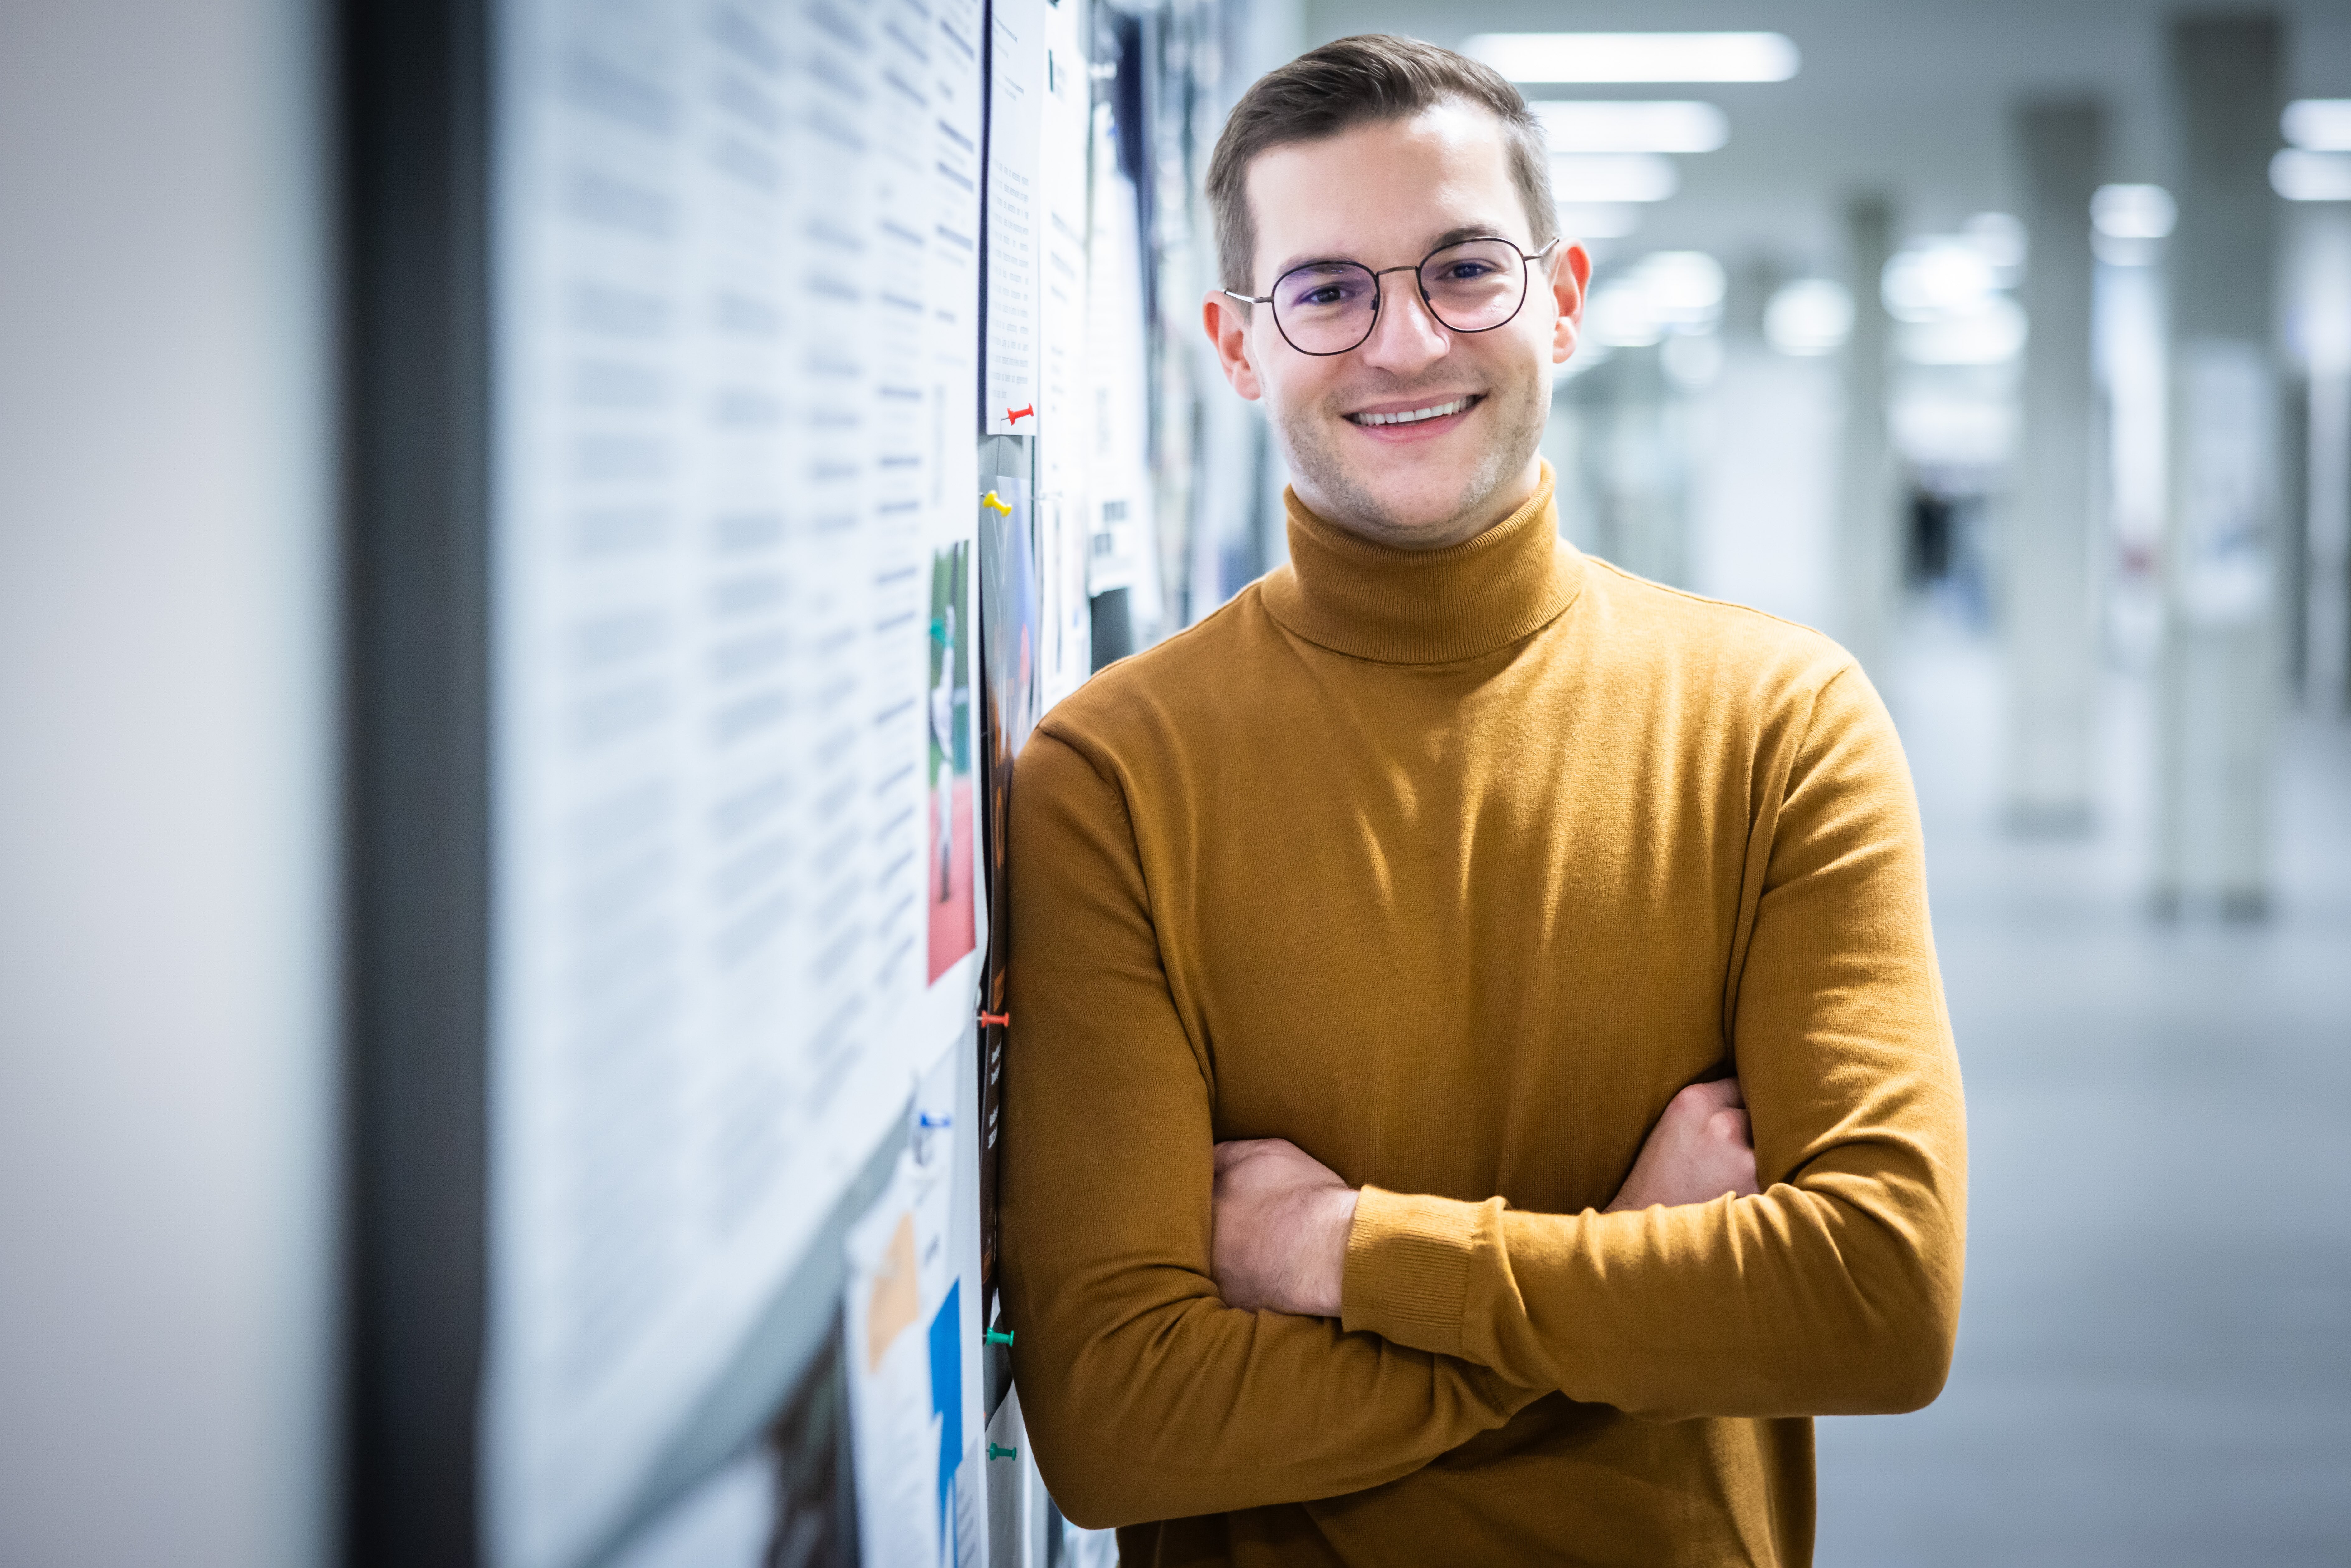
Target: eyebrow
pixel 1450 236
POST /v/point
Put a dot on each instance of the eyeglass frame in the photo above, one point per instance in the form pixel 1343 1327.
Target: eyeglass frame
pixel 1379 292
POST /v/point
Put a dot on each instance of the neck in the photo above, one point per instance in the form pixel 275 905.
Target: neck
pixel 1365 516
pixel 1425 606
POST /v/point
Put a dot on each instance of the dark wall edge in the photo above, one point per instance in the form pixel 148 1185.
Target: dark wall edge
pixel 412 83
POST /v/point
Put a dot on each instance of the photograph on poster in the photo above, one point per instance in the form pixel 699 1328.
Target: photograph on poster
pixel 949 864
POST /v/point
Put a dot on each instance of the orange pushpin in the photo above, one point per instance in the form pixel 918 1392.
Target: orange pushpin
pixel 1015 415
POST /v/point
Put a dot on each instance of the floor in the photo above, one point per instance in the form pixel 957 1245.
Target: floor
pixel 2154 1364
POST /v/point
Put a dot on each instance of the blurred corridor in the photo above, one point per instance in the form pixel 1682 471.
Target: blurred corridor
pixel 2151 1369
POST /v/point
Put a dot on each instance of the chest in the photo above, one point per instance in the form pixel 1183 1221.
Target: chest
pixel 1463 942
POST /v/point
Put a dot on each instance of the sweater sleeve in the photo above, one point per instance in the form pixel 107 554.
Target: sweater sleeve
pixel 1145 1396
pixel 1833 1290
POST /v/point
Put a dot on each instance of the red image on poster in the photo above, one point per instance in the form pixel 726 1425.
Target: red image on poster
pixel 947 870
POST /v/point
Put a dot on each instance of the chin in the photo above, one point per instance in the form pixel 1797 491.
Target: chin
pixel 1422 503
pixel 1417 495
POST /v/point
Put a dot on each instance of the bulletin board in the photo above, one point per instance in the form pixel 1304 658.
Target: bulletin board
pixel 749 417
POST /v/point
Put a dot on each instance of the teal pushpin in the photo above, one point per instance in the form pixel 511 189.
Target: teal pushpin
pixel 999 1451
pixel 997 1337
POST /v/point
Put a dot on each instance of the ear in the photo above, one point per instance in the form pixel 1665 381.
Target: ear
pixel 1228 321
pixel 1571 277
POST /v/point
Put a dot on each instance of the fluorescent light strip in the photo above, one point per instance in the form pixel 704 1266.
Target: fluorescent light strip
pixel 1587 177
pixel 2133 212
pixel 1590 220
pixel 1636 56
pixel 1586 125
pixel 2300 176
pixel 2318 124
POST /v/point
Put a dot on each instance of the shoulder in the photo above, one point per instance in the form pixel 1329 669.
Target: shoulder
pixel 1686 644
pixel 1148 700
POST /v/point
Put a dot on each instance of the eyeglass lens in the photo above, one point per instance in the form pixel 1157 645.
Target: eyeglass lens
pixel 1330 307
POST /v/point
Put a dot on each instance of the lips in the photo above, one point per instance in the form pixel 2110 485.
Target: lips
pixel 1415 415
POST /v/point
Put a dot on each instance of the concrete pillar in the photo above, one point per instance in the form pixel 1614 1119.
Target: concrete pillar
pixel 2048 617
pixel 2324 288
pixel 1868 547
pixel 2221 667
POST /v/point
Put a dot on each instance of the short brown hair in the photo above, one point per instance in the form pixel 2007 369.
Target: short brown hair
pixel 1358 82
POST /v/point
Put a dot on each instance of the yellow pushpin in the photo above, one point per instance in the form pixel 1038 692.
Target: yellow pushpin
pixel 996 501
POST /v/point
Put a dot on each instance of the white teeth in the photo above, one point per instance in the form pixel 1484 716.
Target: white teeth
pixel 1411 415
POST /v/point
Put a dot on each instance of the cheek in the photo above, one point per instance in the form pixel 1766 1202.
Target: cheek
pixel 1289 379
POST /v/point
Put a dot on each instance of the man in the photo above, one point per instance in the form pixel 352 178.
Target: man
pixel 1396 949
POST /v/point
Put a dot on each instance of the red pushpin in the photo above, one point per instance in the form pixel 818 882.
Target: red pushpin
pixel 1015 415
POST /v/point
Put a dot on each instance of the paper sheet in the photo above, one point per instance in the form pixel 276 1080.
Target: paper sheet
pixel 905 1324
pixel 1015 214
pixel 1064 441
pixel 733 431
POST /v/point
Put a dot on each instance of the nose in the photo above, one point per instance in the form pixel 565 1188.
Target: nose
pixel 1406 337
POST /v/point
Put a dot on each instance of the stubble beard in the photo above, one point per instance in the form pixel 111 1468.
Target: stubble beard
pixel 1341 496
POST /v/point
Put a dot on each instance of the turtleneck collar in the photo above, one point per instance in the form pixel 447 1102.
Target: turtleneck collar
pixel 1425 607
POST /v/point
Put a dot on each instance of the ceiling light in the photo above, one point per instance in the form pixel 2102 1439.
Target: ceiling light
pixel 1936 276
pixel 2133 212
pixel 2300 176
pixel 1579 177
pixel 1685 287
pixel 1666 290
pixel 1664 126
pixel 1992 334
pixel 1620 315
pixel 2318 124
pixel 1598 220
pixel 2001 240
pixel 1808 316
pixel 1636 56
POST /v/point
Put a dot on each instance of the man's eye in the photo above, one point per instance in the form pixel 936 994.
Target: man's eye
pixel 1326 294
pixel 1467 271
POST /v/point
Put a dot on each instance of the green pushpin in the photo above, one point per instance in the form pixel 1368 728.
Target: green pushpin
pixel 997 1336
pixel 999 1451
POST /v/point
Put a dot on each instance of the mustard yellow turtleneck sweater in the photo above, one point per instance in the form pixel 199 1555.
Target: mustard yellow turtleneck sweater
pixel 1452 868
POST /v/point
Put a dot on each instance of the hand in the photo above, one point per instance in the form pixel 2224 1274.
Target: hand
pixel 1700 1149
pixel 1281 1224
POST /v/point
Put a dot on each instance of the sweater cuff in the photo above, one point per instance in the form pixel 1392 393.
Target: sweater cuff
pixel 1407 1276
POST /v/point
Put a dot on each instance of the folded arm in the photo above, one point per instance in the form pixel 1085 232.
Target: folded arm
pixel 1146 1395
pixel 1835 1289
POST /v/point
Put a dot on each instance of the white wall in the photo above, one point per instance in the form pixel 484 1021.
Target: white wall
pixel 166 910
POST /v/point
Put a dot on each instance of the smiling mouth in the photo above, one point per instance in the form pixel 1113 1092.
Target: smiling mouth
pixel 1415 415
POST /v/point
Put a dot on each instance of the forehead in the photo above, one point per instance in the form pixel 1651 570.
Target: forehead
pixel 1385 192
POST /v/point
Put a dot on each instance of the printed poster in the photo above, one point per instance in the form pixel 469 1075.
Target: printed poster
pixel 905 1326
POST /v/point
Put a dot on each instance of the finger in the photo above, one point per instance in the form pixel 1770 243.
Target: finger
pixel 1715 1094
pixel 1731 1127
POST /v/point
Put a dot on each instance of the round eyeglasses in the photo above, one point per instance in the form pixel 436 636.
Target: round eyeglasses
pixel 1331 307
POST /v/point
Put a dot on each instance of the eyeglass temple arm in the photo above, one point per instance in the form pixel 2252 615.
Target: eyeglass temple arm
pixel 1247 298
